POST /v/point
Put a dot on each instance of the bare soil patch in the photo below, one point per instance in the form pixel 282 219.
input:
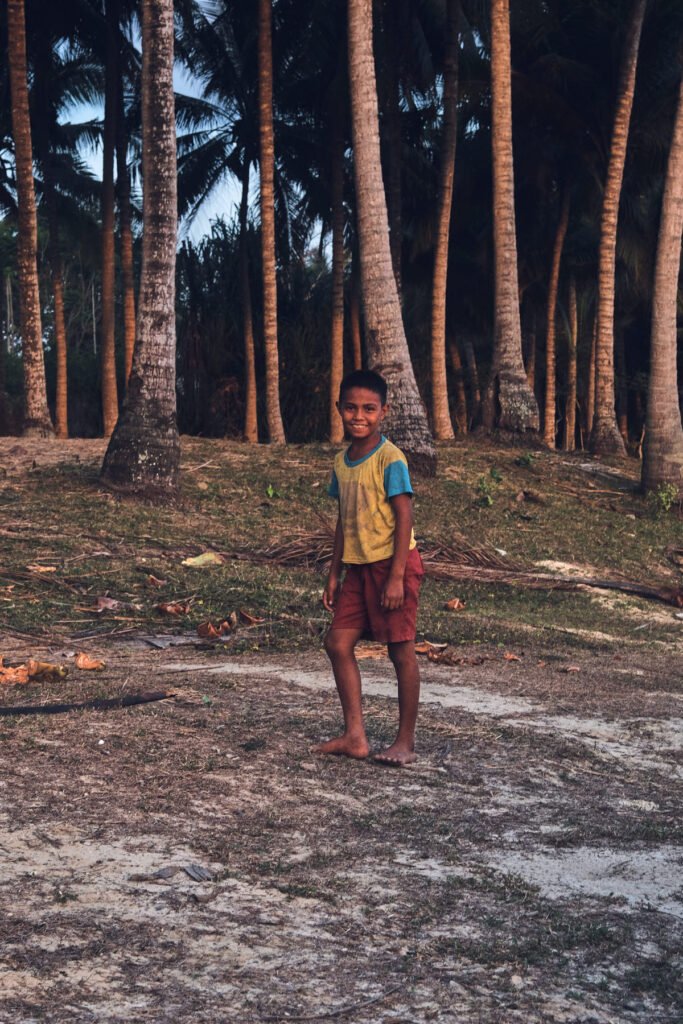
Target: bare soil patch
pixel 528 868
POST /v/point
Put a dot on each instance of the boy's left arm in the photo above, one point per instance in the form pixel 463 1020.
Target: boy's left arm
pixel 393 593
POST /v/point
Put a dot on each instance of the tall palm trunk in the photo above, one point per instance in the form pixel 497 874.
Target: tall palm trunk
pixel 386 341
pixel 530 360
pixel 48 116
pixel 663 452
pixel 57 276
pixel 110 401
pixel 473 380
pixel 621 377
pixel 276 431
pixel 144 450
pixel 570 407
pixel 250 415
pixel 36 413
pixel 441 417
pixel 459 387
pixel 354 317
pixel 551 325
pixel 126 231
pixel 518 406
pixel 337 347
pixel 605 436
pixel 590 383
pixel 393 144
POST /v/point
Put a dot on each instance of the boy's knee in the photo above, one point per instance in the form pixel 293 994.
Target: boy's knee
pixel 333 644
pixel 402 653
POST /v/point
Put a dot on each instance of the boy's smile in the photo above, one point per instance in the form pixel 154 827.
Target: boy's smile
pixel 362 414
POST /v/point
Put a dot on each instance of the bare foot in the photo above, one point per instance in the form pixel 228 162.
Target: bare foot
pixel 345 746
pixel 396 756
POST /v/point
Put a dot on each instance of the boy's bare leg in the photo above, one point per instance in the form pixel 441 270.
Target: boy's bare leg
pixel 353 742
pixel 402 750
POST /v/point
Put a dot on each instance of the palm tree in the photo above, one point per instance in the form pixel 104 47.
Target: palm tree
pixel 605 436
pixel 387 347
pixel 144 451
pixel 250 394
pixel 110 402
pixel 123 190
pixel 337 196
pixel 441 418
pixel 518 407
pixel 572 366
pixel 663 453
pixel 276 429
pixel 36 414
pixel 549 430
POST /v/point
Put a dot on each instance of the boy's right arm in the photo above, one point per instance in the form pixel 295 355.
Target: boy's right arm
pixel 332 585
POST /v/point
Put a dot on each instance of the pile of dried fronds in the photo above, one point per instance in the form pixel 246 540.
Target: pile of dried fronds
pixel 457 560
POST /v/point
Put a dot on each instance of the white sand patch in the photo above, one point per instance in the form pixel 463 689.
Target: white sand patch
pixel 638 742
pixel 652 878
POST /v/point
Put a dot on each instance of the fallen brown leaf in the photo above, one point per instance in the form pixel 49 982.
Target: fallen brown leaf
pixel 107 604
pixel 154 582
pixel 208 630
pixel 173 607
pixel 570 668
pixel 511 657
pixel 14 676
pixel 45 670
pixel 88 664
pixel 42 568
pixel 426 647
pixel 248 619
pixel 454 605
pixel 451 656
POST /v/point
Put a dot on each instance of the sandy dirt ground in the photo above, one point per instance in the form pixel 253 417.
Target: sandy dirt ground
pixel 192 861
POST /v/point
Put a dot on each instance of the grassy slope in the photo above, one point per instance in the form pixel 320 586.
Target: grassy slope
pixel 235 497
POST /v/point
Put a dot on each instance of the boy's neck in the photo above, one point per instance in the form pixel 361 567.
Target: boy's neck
pixel 357 449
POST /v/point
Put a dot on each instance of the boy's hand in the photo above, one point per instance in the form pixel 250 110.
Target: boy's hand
pixel 393 594
pixel 330 593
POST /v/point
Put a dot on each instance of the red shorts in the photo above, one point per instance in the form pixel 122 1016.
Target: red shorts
pixel 358 601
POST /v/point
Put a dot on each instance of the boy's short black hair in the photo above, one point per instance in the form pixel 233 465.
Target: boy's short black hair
pixel 364 379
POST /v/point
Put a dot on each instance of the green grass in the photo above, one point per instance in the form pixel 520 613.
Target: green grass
pixel 234 497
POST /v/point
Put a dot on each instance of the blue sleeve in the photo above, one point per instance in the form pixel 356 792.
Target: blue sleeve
pixel 397 479
pixel 333 486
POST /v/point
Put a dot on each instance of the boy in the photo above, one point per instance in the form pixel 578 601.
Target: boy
pixel 374 539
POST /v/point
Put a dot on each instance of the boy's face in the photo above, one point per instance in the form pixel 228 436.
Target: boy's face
pixel 362 413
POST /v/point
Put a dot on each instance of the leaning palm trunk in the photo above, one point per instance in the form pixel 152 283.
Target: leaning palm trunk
pixel 605 436
pixel 337 347
pixel 250 414
pixel 386 341
pixel 570 406
pixel 549 430
pixel 518 406
pixel 110 403
pixel 441 417
pixel 276 430
pixel 663 452
pixel 36 413
pixel 144 450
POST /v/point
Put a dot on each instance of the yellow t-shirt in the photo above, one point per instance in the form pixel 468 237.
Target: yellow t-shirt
pixel 364 488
